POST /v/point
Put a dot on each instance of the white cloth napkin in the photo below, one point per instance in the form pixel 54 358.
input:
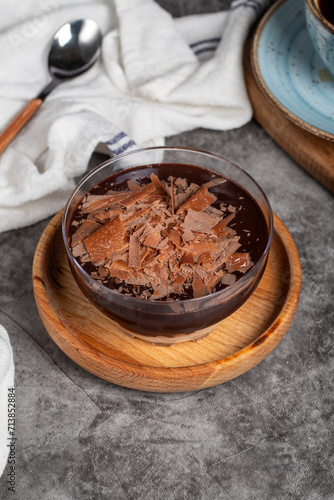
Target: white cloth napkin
pixel 156 77
pixel 6 382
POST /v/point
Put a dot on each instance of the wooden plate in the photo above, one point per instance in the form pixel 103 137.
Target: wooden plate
pixel 94 342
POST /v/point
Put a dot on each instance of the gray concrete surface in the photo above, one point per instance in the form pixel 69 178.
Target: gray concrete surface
pixel 268 434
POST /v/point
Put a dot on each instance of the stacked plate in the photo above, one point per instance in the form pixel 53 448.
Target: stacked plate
pixel 289 71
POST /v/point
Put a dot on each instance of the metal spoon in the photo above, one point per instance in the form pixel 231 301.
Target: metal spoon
pixel 75 48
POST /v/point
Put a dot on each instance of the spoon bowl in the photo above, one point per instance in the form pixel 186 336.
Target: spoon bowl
pixel 75 48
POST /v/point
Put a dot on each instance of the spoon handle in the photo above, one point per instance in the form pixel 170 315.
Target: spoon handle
pixel 21 119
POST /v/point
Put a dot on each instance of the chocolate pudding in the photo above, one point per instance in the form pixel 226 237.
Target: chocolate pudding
pixel 170 233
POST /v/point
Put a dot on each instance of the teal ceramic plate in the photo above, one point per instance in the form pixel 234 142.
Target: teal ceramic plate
pixel 290 72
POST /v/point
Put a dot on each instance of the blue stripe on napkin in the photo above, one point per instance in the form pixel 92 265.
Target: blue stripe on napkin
pixel 124 148
pixel 115 139
pixel 257 5
pixel 120 143
pixel 207 40
pixel 209 44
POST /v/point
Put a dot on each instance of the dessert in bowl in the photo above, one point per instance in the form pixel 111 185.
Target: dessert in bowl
pixel 167 241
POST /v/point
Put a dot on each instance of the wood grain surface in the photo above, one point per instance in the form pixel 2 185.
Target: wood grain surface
pixel 94 342
pixel 315 154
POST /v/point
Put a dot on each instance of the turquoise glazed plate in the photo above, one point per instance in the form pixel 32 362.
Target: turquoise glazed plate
pixel 289 71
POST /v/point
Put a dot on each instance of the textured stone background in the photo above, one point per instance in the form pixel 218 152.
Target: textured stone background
pixel 268 434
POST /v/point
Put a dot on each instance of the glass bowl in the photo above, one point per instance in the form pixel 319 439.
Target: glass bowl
pixel 170 321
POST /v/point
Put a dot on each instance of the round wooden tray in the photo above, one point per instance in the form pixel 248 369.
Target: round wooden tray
pixel 94 342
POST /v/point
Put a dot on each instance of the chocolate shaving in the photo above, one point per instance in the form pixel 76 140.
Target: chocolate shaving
pixel 79 250
pixel 239 262
pixel 172 196
pixel 229 279
pixel 199 201
pixel 132 185
pixel 199 222
pixel 214 182
pixel 85 229
pixel 108 239
pixel 134 251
